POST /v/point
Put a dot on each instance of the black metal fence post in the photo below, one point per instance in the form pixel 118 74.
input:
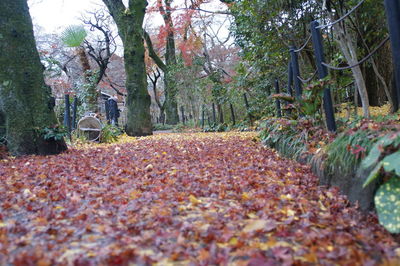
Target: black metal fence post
pixel 322 73
pixel 74 111
pixel 232 114
pixel 296 72
pixel 214 116
pixel 220 114
pixel 278 103
pixel 67 115
pixel 290 78
pixel 107 108
pixel 246 102
pixel 393 20
pixel 202 116
pixel 183 115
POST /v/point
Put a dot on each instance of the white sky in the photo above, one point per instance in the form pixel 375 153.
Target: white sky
pixel 54 15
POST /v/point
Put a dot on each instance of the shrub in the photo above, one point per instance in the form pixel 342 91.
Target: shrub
pixel 110 133
pixel 162 127
pixel 55 132
pixel 216 128
pixel 295 138
pixel 346 152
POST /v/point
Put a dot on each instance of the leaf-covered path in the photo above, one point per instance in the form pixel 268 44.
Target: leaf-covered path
pixel 179 199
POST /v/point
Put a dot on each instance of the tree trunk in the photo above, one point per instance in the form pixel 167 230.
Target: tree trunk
pixel 350 53
pixel 25 100
pixel 378 91
pixel 220 114
pixel 129 21
pixel 171 104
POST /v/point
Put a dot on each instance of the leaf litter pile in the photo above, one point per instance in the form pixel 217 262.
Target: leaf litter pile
pixel 178 199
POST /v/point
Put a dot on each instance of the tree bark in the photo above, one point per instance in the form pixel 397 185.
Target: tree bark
pixel 129 21
pixel 350 53
pixel 171 104
pixel 220 114
pixel 25 100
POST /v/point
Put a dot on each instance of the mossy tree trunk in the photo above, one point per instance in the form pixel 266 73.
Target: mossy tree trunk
pixel 24 96
pixel 171 104
pixel 129 21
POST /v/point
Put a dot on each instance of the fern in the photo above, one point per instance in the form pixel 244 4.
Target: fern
pixel 73 35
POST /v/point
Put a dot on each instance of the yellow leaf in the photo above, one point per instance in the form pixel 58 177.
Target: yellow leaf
pixel 265 246
pixel 42 176
pixel 91 254
pixel 252 215
pixel 321 206
pixel 135 194
pixel 329 195
pixel 194 200
pixel 309 257
pixel 289 212
pixel 233 241
pixel 245 196
pixel 146 252
pixel 254 225
pixel 286 197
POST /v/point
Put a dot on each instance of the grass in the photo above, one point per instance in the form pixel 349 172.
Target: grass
pixel 345 153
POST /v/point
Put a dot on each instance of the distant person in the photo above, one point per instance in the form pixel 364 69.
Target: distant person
pixel 114 112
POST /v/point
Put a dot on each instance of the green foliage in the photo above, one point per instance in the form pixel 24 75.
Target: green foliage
pixel 3 130
pixel 382 145
pixel 73 35
pixel 216 128
pixel 110 133
pixel 241 126
pixel 85 92
pixel 385 154
pixel 162 127
pixel 282 135
pixel 308 105
pixel 180 127
pixel 56 132
pixel 387 202
pixel 294 138
pixel 311 100
pixel 345 153
pixel 265 29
